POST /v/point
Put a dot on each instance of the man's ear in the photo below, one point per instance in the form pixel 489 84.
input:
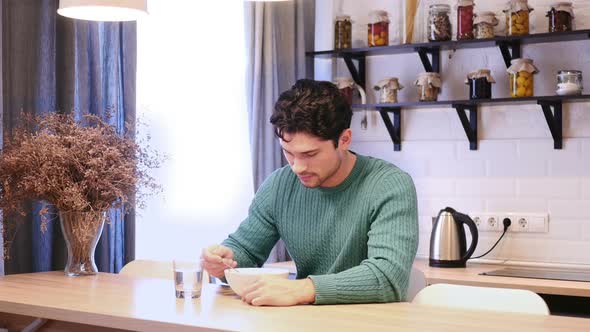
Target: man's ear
pixel 345 139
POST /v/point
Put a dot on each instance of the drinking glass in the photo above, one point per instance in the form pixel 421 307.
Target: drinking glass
pixel 188 279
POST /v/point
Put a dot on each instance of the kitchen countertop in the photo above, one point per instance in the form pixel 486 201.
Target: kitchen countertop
pixel 471 276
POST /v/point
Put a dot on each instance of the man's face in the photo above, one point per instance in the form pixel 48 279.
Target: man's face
pixel 313 159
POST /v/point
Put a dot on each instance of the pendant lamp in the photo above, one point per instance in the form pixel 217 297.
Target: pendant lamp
pixel 103 10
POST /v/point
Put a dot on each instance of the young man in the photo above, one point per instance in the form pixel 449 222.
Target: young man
pixel 348 221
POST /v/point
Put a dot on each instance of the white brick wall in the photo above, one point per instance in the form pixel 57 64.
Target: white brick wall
pixel 515 167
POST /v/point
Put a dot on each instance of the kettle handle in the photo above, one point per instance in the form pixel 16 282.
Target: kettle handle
pixel 474 234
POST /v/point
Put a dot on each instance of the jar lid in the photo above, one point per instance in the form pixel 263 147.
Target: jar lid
pixel 429 78
pixel 518 5
pixel 569 72
pixel 343 18
pixel 377 16
pixel 344 82
pixel 392 82
pixel 440 7
pixel 486 17
pixel 465 3
pixel 562 7
pixel 522 64
pixel 479 74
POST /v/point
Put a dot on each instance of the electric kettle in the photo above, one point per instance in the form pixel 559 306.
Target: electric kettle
pixel 447 240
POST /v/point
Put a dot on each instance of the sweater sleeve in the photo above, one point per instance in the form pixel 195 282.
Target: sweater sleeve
pixel 257 234
pixel 392 245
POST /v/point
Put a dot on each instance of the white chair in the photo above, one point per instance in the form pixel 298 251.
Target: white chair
pixel 482 298
pixel 149 269
pixel 153 269
pixel 416 284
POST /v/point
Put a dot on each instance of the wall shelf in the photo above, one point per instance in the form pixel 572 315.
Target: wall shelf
pixel 429 53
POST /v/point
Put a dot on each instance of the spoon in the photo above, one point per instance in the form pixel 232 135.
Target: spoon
pixel 232 268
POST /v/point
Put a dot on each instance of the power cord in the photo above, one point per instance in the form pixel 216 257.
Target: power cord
pixel 507 224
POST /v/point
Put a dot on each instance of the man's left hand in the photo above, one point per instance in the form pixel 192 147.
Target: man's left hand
pixel 280 292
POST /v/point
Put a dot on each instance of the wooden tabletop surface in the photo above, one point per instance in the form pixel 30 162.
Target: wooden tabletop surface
pixel 142 304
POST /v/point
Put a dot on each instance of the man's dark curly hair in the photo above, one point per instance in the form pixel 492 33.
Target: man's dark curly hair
pixel 312 107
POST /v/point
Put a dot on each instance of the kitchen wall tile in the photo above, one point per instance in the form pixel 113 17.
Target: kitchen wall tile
pixel 569 208
pixel 569 168
pixel 539 149
pixel 489 150
pixel 513 167
pixel 585 183
pixel 431 206
pixel 460 168
pixel 429 187
pixel 500 204
pixel 486 187
pixel 549 187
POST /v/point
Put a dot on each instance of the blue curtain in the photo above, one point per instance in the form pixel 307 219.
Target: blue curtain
pixel 55 64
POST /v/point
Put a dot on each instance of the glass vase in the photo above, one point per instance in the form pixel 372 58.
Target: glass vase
pixel 81 231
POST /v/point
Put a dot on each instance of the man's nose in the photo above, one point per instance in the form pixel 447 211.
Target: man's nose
pixel 299 166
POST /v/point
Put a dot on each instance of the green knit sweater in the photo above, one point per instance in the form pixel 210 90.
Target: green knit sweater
pixel 356 241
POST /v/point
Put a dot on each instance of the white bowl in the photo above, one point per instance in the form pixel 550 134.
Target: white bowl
pixel 240 278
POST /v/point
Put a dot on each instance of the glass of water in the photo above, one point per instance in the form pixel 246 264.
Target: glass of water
pixel 188 279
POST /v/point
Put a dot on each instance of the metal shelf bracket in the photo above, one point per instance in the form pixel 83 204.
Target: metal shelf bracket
pixel 554 120
pixel 514 46
pixel 430 66
pixel 469 125
pixel 359 76
pixel 395 128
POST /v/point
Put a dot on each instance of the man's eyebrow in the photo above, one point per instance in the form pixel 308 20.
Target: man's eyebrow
pixel 303 152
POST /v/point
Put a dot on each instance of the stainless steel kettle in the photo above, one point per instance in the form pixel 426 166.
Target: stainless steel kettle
pixel 447 240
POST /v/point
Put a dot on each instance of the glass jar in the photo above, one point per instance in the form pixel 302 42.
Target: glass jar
pixel 484 25
pixel 465 19
pixel 439 23
pixel 569 82
pixel 517 18
pixel 429 85
pixel 388 89
pixel 561 17
pixel 521 79
pixel 342 32
pixel 346 85
pixel 480 84
pixel 378 29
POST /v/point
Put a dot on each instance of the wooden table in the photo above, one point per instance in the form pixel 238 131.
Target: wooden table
pixel 471 276
pixel 133 303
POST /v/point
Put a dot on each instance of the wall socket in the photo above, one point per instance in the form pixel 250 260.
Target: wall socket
pixel 520 222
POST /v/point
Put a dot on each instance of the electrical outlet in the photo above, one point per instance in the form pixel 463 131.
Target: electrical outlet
pixel 485 222
pixel 528 222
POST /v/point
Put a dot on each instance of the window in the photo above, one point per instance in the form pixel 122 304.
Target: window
pixel 190 92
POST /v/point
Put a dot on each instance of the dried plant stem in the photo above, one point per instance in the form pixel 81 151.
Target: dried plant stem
pixel 81 231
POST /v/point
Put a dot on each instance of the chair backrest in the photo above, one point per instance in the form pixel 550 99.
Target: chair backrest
pixel 482 298
pixel 416 284
pixel 149 269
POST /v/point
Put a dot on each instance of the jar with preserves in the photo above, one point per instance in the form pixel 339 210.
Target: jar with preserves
pixel 521 80
pixel 378 28
pixel 480 84
pixel 569 82
pixel 484 25
pixel 388 89
pixel 465 19
pixel 342 32
pixel 561 16
pixel 439 23
pixel 429 86
pixel 517 18
pixel 346 85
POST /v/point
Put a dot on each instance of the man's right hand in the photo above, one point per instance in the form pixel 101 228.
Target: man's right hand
pixel 216 259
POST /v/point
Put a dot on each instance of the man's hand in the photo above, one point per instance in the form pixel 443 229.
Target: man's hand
pixel 280 292
pixel 216 259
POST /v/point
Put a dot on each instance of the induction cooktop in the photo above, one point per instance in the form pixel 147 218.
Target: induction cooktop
pixel 541 273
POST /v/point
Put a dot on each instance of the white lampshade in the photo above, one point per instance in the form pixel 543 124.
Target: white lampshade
pixel 103 10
